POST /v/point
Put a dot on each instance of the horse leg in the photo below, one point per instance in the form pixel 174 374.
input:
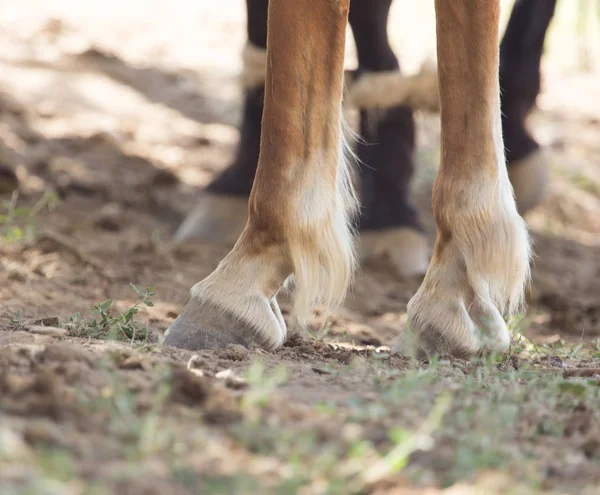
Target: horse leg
pixel 480 261
pixel 301 200
pixel 222 208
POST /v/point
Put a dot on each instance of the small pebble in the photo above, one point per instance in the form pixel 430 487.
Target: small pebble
pixel 110 217
pixel 231 380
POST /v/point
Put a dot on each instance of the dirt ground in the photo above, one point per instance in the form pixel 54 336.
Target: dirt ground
pixel 112 118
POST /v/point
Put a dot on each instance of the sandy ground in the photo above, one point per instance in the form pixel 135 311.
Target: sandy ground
pixel 125 111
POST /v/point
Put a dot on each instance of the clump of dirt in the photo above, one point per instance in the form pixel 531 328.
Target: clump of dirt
pixel 580 421
pixel 188 388
pixel 233 352
pixel 40 395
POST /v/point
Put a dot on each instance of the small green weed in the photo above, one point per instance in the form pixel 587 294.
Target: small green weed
pixel 17 319
pixel 20 223
pixel 119 327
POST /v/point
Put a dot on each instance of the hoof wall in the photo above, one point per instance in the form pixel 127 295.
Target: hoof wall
pixel 204 326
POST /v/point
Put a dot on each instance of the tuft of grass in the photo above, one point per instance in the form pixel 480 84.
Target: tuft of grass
pixel 17 318
pixel 121 326
pixel 19 223
pixel 407 442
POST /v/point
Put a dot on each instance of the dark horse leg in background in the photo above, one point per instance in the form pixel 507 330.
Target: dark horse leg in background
pixel 388 224
pixel 520 59
pixel 388 220
pixel 222 211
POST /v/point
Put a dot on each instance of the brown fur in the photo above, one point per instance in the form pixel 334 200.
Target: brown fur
pixel 298 222
pixel 299 207
pixel 301 107
pixel 298 164
pixel 481 256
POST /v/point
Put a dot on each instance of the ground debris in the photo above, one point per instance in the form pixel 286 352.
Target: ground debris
pixel 62 241
pixel 581 372
pixel 110 217
pixel 40 395
pixel 188 388
pixel 47 321
pixel 49 331
pixel 580 420
pixel 231 380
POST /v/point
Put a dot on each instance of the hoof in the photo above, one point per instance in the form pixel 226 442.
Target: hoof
pixel 216 218
pixel 213 319
pixel 529 178
pixel 444 326
pixel 405 249
pixel 204 326
pixel 476 276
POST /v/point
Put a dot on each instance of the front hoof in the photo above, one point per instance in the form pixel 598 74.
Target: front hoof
pixel 216 218
pixel 448 325
pixel 404 248
pixel 205 325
